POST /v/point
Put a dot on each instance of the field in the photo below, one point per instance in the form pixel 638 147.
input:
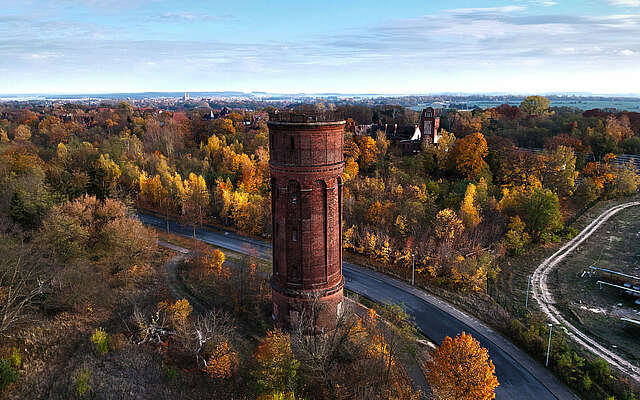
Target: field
pixel 614 246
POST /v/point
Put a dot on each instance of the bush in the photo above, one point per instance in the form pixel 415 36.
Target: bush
pixel 81 380
pixel 100 339
pixel 16 359
pixel 8 373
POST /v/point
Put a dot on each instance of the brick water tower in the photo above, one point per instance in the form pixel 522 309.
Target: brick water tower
pixel 306 201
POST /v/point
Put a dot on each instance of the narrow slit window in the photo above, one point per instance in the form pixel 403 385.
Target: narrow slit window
pixel 292 143
pixel 294 198
pixel 294 236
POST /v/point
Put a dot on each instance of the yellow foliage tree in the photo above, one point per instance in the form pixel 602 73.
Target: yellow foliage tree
pixel 195 197
pixel 350 169
pixel 468 208
pixel 368 151
pixel 461 370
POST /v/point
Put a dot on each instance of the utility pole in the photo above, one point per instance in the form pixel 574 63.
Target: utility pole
pixel 413 269
pixel 549 345
pixel 526 300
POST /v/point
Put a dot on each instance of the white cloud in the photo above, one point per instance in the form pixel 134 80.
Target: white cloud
pixel 496 10
pixel 625 3
pixel 627 52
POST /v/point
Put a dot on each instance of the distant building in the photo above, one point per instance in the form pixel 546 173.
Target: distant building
pixel 407 137
pixel 215 115
pixel 186 96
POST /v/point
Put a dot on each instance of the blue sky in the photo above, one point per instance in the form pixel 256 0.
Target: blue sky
pixel 346 46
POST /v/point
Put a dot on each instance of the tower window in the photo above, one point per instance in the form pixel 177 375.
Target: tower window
pixel 294 198
pixel 292 143
pixel 294 235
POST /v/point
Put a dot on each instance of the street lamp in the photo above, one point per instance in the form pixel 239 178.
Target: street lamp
pixel 549 345
pixel 526 301
pixel 413 269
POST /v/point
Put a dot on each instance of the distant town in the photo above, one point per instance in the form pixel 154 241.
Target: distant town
pixel 173 101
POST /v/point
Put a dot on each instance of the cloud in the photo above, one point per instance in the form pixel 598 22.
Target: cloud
pixel 468 41
pixel 180 17
pixel 625 3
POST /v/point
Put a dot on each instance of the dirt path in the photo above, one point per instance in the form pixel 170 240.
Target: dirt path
pixel 174 283
pixel 545 298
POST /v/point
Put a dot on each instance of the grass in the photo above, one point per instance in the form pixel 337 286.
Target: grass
pixel 597 310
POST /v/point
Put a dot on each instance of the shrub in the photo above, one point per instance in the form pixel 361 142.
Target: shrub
pixel 100 339
pixel 8 373
pixel 81 381
pixel 16 359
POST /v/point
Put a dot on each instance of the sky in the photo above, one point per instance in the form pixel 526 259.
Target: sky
pixel 308 46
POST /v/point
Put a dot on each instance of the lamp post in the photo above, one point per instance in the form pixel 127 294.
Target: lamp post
pixel 526 300
pixel 549 345
pixel 413 269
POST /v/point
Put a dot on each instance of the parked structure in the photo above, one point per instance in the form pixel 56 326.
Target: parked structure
pixel 306 193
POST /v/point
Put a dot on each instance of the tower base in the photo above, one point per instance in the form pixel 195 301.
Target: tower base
pixel 311 310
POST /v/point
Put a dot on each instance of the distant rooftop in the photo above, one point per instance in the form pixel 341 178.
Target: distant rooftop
pixel 306 116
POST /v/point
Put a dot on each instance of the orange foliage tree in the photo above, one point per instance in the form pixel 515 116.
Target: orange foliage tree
pixel 467 156
pixel 222 362
pixel 461 370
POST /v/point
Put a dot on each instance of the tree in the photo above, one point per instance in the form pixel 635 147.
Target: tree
pixel 277 367
pixel 195 198
pixel 467 156
pixel 461 370
pixel 535 106
pixel 22 281
pixel 350 169
pixel 560 171
pixel 22 133
pixel 539 208
pixel 468 208
pixel 216 260
pixel 222 362
pixel 368 151
pixel 106 175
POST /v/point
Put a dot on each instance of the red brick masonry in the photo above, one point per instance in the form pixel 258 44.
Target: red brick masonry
pixel 306 194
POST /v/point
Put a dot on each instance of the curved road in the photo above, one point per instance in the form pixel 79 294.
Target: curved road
pixel 520 376
pixel 545 299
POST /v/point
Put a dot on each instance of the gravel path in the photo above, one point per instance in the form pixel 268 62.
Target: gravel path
pixel 545 298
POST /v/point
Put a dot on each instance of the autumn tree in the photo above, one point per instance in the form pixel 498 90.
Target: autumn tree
pixel 536 106
pixel 560 171
pixel 469 209
pixel 467 156
pixel 461 370
pixel 22 133
pixel 106 175
pixel 277 367
pixel 222 362
pixel 350 169
pixel 195 198
pixel 368 151
pixel 539 208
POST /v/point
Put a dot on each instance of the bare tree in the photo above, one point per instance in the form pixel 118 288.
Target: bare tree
pixel 321 351
pixel 21 283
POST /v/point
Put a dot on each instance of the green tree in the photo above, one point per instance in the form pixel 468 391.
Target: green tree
pixel 536 106
pixel 277 367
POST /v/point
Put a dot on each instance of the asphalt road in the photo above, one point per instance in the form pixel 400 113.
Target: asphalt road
pixel 514 369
